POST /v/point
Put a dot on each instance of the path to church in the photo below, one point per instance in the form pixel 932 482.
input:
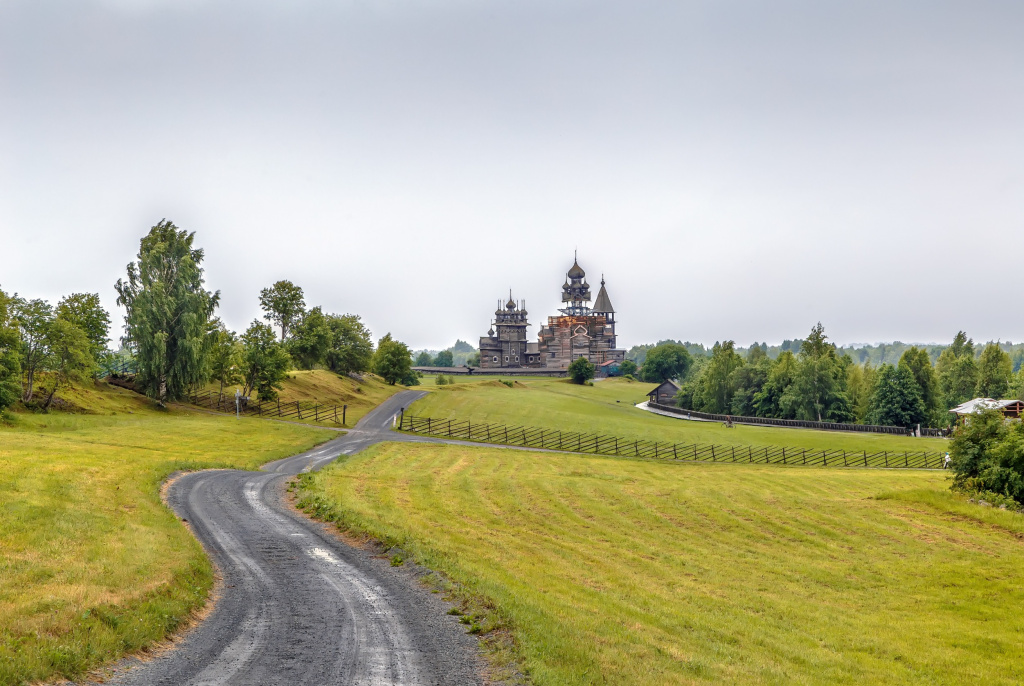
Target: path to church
pixel 297 606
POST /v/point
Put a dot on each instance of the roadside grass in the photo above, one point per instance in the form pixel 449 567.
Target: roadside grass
pixel 92 564
pixel 638 572
pixel 327 388
pixel 607 408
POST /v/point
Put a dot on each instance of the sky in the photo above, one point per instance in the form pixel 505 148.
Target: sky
pixel 736 170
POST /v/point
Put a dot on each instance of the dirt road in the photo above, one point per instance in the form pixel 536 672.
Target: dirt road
pixel 298 607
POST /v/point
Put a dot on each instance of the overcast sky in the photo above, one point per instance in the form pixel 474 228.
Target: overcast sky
pixel 737 170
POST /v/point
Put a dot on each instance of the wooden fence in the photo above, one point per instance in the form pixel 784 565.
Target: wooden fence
pixel 798 423
pixel 306 411
pixel 551 439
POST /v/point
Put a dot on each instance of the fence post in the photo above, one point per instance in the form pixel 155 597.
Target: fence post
pixel 844 459
pixel 713 452
pixel 695 452
pixel 428 426
pixel 449 428
pixel 886 458
pixel 505 427
pixel 636 447
pixel 734 453
pixel 750 454
pixel 316 412
pixel 783 454
pixel 906 460
pixel 824 458
pixel 675 454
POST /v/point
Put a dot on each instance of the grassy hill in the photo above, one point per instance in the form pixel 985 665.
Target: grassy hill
pixel 327 388
pixel 607 408
pixel 92 565
pixel 616 571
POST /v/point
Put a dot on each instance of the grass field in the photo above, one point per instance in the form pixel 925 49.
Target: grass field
pixel 92 565
pixel 607 408
pixel 327 388
pixel 611 571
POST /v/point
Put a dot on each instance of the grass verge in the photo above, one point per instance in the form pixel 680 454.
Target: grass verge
pixel 92 564
pixel 607 408
pixel 625 572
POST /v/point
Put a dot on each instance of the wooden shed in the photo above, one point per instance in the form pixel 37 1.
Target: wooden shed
pixel 664 393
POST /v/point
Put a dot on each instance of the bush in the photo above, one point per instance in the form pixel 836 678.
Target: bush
pixel 987 454
pixel 581 371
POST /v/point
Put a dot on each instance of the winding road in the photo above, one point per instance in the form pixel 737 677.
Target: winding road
pixel 296 605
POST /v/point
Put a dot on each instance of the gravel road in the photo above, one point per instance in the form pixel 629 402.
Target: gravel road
pixel 297 606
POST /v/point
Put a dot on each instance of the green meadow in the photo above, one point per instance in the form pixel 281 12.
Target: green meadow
pixel 611 571
pixel 607 408
pixel 92 564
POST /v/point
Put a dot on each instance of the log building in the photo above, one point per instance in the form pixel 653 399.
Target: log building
pixel 579 331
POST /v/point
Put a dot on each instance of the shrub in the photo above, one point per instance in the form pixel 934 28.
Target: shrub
pixel 581 371
pixel 987 454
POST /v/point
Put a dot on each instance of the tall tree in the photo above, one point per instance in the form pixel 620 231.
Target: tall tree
pixel 225 357
pixel 920 365
pixel 10 359
pixel 168 313
pixel 283 304
pixel 311 339
pixel 85 311
pixel 860 387
pixel 818 391
pixel 718 383
pixel 768 401
pixel 424 359
pixel 70 356
pixel 957 371
pixel 33 318
pixel 1017 385
pixel 995 368
pixel 897 398
pixel 749 380
pixel 666 361
pixel 351 348
pixel 265 362
pixel 444 359
pixel 393 362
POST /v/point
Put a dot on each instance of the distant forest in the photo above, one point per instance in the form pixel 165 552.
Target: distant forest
pixel 875 355
pixel 892 384
pixel 459 355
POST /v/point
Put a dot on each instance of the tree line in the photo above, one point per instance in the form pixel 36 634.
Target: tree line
pixel 173 338
pixel 44 348
pixel 819 382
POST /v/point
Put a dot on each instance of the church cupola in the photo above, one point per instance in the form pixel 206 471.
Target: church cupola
pixel 576 291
